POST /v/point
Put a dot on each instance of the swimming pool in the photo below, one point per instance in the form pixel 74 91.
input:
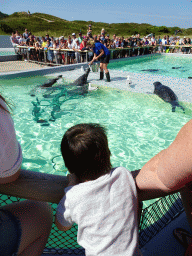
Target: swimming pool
pixel 138 125
pixel 7 51
pixel 163 65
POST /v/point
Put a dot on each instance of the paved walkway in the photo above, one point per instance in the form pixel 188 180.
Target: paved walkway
pixel 10 66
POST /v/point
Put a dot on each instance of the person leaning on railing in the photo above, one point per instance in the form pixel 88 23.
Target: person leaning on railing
pixel 170 171
pixel 100 199
pixel 24 226
pixel 43 53
pixel 49 47
pixel 31 49
pixel 76 49
pixel 56 52
pixel 83 48
pixel 37 51
pixel 70 54
pixel 62 45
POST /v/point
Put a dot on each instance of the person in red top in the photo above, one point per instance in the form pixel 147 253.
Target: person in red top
pixel 83 47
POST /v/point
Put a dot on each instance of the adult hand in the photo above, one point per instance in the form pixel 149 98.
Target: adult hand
pixel 91 62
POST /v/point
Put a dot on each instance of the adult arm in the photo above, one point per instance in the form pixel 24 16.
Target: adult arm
pixel 97 57
pixel 36 186
pixel 170 170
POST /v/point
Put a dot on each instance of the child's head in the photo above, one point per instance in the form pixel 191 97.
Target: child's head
pixel 85 151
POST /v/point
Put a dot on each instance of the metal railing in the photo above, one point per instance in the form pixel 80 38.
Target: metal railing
pixel 69 56
pixel 81 56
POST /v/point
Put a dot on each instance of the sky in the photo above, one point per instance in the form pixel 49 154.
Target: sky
pixel 160 13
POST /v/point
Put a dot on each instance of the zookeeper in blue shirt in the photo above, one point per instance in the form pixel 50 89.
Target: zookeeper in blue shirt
pixel 100 53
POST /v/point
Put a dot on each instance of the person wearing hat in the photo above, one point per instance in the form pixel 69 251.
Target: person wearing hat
pixel 100 53
pixel 73 37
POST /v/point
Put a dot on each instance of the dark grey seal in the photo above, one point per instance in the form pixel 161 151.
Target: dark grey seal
pixel 166 94
pixel 47 84
pixel 150 70
pixel 51 82
pixel 82 80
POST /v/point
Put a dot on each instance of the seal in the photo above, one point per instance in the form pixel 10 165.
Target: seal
pixel 82 80
pixel 166 94
pixel 53 95
pixel 47 84
pixel 150 70
pixel 51 82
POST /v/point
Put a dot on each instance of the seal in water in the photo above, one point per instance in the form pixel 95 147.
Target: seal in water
pixel 47 84
pixel 176 67
pixel 150 70
pixel 80 82
pixel 166 94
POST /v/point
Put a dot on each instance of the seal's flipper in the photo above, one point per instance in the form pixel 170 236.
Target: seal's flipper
pixel 182 108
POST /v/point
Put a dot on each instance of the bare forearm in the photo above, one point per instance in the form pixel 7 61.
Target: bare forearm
pixel 148 186
pixel 36 186
pixel 170 170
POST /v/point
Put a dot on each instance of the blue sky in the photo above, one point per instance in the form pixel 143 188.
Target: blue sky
pixel 163 13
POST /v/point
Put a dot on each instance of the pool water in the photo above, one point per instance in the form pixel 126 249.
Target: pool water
pixel 138 125
pixel 173 66
pixel 5 52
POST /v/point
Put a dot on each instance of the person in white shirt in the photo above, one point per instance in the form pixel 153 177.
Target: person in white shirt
pixel 76 48
pixel 102 200
pixel 71 54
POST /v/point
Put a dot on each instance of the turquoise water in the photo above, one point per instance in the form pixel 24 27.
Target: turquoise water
pixel 158 65
pixel 5 53
pixel 138 125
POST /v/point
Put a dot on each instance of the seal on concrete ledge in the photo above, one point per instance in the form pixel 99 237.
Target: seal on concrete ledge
pixel 51 82
pixel 166 94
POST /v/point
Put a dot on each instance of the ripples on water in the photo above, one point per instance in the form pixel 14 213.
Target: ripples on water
pixel 174 66
pixel 138 125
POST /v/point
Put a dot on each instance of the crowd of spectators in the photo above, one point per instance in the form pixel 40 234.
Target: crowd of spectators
pixel 48 49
